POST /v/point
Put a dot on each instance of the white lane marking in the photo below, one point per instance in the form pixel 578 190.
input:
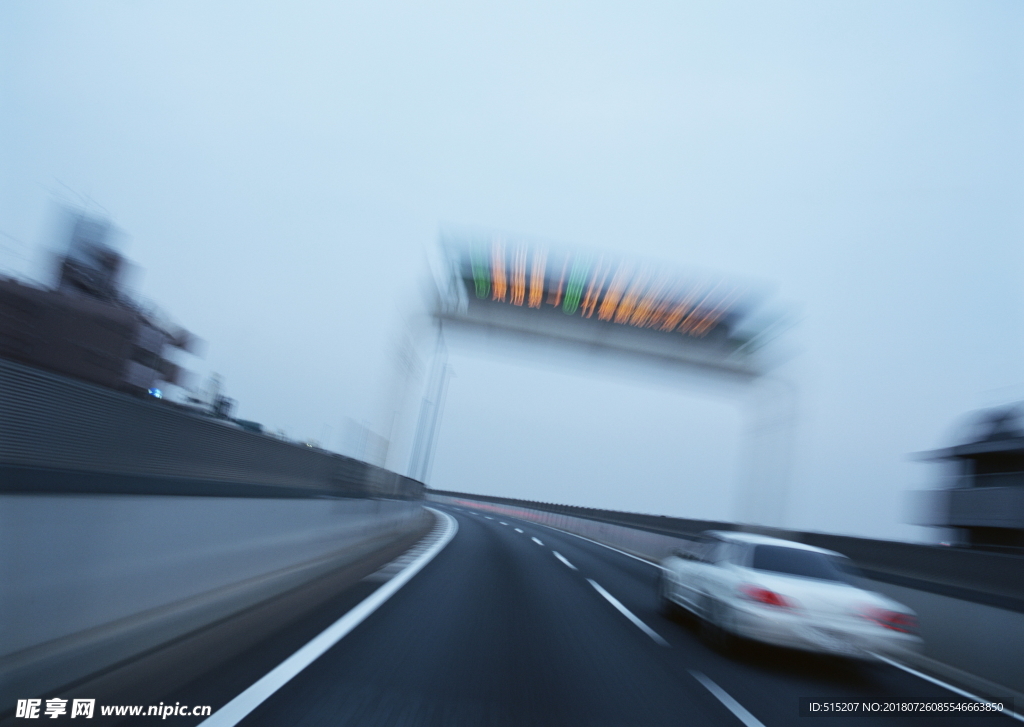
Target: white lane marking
pixel 536 541
pixel 581 537
pixel 238 708
pixel 562 558
pixel 504 523
pixel 941 683
pixel 488 517
pixel 518 530
pixel 628 614
pixel 723 696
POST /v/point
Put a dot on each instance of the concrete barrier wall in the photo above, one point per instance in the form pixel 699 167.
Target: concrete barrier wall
pixel 128 525
pixel 60 434
pixel 88 581
pixel 973 645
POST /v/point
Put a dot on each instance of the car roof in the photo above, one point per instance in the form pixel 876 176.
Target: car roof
pixel 755 539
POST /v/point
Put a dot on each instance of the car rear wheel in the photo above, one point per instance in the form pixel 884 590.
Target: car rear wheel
pixel 666 605
pixel 712 629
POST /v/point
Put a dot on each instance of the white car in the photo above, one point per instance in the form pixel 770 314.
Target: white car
pixel 783 593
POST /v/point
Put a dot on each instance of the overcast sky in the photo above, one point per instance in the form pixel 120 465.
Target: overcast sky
pixel 281 171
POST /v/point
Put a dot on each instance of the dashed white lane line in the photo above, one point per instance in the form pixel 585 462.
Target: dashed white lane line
pixel 238 708
pixel 504 523
pixel 603 545
pixel 941 683
pixel 731 704
pixel 562 558
pixel 518 530
pixel 628 614
pixel 536 541
pixel 488 517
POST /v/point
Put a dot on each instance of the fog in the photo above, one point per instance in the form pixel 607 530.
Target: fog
pixel 281 173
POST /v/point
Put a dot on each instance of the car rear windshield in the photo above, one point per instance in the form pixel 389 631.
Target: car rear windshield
pixel 798 562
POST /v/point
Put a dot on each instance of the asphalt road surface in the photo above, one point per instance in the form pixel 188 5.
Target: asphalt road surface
pixel 514 623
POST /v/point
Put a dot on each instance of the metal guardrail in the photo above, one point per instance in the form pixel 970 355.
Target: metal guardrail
pixel 59 434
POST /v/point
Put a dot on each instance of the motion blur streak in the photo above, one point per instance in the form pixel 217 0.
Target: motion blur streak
pixel 555 298
pixel 580 265
pixel 590 300
pixel 519 275
pixel 498 270
pixel 614 293
pixel 537 278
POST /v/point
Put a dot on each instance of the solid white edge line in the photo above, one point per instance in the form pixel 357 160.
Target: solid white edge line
pixel 950 687
pixel 238 708
pixel 627 613
pixel 537 541
pixel 725 698
pixel 562 558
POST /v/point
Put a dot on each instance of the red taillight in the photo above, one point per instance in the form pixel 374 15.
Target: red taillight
pixel 763 595
pixel 895 620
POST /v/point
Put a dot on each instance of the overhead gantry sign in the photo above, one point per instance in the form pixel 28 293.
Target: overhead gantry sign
pixel 600 300
pixel 700 328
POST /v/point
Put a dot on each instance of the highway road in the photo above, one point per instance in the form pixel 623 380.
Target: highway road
pixel 513 623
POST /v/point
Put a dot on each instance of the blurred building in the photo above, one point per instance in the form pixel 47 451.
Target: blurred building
pixel 986 503
pixel 87 327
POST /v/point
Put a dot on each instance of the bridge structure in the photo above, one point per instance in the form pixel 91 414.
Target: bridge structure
pixel 638 318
